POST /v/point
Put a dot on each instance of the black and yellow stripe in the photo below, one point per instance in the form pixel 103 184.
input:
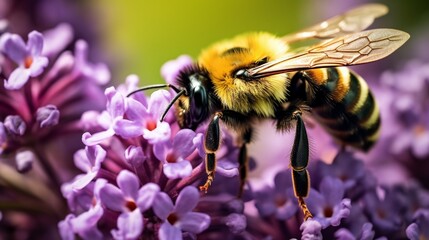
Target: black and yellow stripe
pixel 342 102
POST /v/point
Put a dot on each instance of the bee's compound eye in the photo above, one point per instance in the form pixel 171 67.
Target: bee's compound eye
pixel 242 74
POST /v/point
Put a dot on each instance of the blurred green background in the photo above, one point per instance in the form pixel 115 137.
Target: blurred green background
pixel 142 35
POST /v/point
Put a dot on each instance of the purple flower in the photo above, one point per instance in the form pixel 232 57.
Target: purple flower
pixel 350 170
pixel 48 116
pixel 419 229
pixel 115 111
pixel 311 230
pixel 131 201
pixel 367 233
pixel 384 212
pixel 40 107
pixel 327 205
pixel 28 57
pixel 170 70
pixel 85 224
pixel 279 200
pixel 180 217
pixel 173 154
pixel 145 120
pixel 89 161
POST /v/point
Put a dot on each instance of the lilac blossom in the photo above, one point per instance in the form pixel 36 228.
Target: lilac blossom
pixel 85 223
pixel 311 230
pixel 367 233
pixel 89 161
pixel 145 120
pixel 28 57
pixel 419 229
pixel 173 154
pixel 40 107
pixel 278 200
pixel 144 170
pixel 328 205
pixel 170 69
pixel 127 199
pixel 115 111
pixel 179 217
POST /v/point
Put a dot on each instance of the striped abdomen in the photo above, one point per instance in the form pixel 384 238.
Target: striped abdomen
pixel 342 102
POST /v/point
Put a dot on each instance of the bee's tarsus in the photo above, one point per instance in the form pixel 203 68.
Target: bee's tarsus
pixel 304 208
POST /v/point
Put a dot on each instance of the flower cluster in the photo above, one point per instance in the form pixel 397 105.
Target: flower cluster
pixel 138 172
pixel 43 92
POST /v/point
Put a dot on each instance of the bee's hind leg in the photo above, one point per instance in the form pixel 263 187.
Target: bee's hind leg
pixel 299 161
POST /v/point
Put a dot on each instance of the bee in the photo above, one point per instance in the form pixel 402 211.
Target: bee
pixel 257 76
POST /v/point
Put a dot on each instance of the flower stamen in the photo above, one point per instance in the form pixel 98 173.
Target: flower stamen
pixel 131 205
pixel 28 61
pixel 172 218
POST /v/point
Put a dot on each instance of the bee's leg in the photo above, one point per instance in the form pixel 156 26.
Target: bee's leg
pixel 243 160
pixel 211 145
pixel 299 162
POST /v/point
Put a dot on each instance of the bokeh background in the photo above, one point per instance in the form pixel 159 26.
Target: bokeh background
pixel 140 36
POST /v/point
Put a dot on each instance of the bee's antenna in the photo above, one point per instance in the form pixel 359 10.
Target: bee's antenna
pixel 155 86
pixel 180 93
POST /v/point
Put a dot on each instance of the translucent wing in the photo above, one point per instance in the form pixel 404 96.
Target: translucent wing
pixel 355 20
pixel 352 49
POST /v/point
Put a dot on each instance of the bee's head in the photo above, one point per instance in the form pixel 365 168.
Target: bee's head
pixel 192 107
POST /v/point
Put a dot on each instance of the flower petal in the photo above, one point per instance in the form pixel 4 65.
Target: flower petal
pixel 311 230
pixel 194 222
pixel 159 101
pixel 112 197
pixel 170 70
pixel 96 155
pixel 168 232
pixel 130 225
pixel 97 138
pixel 178 169
pixel 236 223
pixel 87 219
pixel 65 228
pixel 413 231
pixel 332 189
pixel 82 180
pixel 146 196
pixel 136 111
pixel 161 133
pixel 81 160
pixel 57 39
pixel 128 129
pixel 187 200
pixel 115 102
pixel 135 155
pixel 15 125
pixel 341 211
pixel 48 115
pixel 37 66
pixel 183 144
pixel 162 205
pixel 14 47
pixel 17 79
pixel 24 160
pixel 35 43
pixel 128 183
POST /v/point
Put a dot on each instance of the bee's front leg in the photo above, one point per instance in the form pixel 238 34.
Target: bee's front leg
pixel 211 145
